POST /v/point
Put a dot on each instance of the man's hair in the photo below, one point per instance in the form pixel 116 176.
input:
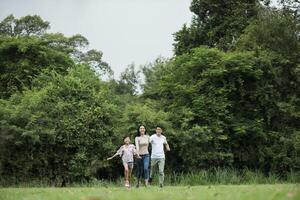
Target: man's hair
pixel 160 126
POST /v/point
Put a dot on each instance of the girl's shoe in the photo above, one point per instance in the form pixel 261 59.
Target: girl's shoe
pixel 127 184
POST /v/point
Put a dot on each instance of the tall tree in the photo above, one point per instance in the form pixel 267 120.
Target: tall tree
pixel 216 23
pixel 25 26
pixel 129 81
pixel 26 49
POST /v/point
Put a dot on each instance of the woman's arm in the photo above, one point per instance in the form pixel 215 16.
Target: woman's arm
pixel 135 152
pixel 136 140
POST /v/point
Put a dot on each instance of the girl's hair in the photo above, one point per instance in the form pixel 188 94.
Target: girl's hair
pixel 138 130
pixel 126 136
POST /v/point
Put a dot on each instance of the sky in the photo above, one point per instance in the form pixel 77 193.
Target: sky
pixel 126 31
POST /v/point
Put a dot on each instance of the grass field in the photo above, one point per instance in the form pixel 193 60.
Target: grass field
pixel 224 192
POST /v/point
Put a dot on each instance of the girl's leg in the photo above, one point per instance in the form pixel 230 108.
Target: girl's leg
pixel 126 173
pixel 130 167
pixel 129 174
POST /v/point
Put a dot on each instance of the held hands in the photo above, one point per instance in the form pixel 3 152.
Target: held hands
pixel 138 156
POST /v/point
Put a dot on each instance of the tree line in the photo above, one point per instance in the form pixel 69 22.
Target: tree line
pixel 228 98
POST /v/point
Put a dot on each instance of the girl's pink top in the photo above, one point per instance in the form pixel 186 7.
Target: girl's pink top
pixel 127 152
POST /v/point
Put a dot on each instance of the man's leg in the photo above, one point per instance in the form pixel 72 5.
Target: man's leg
pixel 161 167
pixel 152 167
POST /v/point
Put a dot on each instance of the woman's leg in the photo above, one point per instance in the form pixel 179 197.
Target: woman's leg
pixel 146 168
pixel 139 166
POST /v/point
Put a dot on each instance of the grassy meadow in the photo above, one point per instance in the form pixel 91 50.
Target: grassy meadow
pixel 224 192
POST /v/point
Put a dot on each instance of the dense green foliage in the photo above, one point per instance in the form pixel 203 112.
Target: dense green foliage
pixel 57 129
pixel 223 106
pixel 238 108
pixel 228 99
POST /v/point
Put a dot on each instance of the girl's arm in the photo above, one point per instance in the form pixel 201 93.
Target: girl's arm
pixel 118 153
pixel 112 156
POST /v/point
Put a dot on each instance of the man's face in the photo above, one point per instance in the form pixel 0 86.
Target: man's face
pixel 158 130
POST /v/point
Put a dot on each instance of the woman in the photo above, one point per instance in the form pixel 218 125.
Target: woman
pixel 142 143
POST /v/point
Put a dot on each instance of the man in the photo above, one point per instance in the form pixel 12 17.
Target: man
pixel 158 142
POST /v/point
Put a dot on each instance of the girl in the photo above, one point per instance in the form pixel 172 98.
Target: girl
pixel 126 151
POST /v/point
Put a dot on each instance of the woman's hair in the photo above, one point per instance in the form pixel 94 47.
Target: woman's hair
pixel 138 130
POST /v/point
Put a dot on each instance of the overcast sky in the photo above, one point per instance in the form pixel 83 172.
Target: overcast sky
pixel 126 31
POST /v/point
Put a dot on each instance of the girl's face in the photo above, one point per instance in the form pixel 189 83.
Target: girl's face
pixel 142 130
pixel 127 140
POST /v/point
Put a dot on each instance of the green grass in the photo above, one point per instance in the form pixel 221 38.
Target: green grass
pixel 224 192
pixel 217 176
pixel 213 176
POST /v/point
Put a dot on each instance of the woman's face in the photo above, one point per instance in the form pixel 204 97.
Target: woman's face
pixel 142 129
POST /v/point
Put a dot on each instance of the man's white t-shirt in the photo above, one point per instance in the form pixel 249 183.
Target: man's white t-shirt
pixel 157 144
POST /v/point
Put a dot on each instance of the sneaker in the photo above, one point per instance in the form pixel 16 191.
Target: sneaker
pixel 146 183
pixel 127 184
pixel 160 185
pixel 150 180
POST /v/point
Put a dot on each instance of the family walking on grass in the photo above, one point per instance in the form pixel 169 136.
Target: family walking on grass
pixel 140 150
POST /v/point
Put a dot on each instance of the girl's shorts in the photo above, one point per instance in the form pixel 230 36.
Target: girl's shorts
pixel 130 164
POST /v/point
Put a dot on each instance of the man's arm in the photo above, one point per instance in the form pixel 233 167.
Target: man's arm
pixel 167 145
